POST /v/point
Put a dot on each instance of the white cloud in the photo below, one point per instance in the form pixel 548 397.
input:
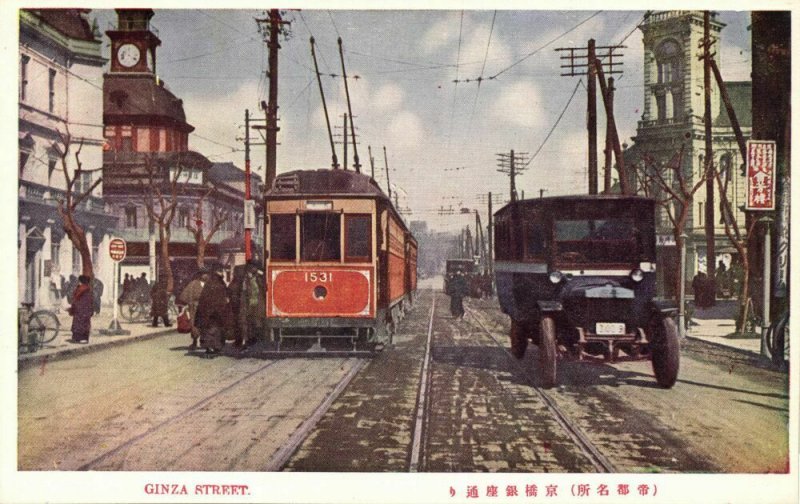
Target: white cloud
pixel 735 63
pixel 405 132
pixel 441 34
pixel 389 97
pixel 517 105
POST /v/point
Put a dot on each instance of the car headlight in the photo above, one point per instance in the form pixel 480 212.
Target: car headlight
pixel 637 275
pixel 555 276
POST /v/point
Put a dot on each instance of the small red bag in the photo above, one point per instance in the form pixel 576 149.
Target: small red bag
pixel 184 322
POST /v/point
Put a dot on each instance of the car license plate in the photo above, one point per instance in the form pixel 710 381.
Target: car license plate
pixel 610 328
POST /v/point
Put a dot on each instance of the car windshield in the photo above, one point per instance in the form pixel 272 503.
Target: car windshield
pixel 609 241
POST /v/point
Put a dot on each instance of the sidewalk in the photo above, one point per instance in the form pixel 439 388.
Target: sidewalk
pixel 61 348
pixel 717 325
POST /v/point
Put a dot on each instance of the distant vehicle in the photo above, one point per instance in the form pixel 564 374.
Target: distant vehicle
pixel 576 274
pixel 479 284
pixel 341 264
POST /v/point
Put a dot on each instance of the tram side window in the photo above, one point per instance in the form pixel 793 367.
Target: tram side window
pixel 502 240
pixel 320 238
pixel 282 232
pixel 358 237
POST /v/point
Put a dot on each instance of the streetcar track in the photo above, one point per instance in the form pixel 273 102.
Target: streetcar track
pixel 587 448
pixel 420 419
pixel 279 459
pixel 178 416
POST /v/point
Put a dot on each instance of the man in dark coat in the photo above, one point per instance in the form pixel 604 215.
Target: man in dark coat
pixel 214 318
pixel 458 288
pixel 160 303
pixel 82 309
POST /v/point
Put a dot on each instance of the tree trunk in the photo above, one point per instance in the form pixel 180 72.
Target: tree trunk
pixel 166 267
pixel 77 236
pixel 201 253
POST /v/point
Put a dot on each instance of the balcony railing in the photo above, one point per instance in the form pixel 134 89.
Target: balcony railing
pixel 177 235
pixel 31 191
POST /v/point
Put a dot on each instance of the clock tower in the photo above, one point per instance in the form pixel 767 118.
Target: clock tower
pixel 134 42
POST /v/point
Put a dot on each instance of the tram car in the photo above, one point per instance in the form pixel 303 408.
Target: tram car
pixel 576 275
pixel 340 262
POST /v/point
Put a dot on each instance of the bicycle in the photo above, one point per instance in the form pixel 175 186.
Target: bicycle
pixel 35 328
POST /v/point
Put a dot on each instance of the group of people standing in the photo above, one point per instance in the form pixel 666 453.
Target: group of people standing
pixel 220 312
pixel 217 311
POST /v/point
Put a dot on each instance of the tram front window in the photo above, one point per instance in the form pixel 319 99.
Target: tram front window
pixel 282 237
pixel 320 237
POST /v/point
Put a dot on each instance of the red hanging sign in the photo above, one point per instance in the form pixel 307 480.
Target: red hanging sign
pixel 117 249
pixel 760 175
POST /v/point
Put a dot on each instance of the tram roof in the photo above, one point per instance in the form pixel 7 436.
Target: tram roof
pixel 324 182
pixel 579 198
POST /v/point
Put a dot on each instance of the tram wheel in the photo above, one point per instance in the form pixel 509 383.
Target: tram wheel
pixel 519 339
pixel 548 354
pixel 665 352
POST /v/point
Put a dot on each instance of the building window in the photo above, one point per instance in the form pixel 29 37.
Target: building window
pixel 700 211
pixel 669 62
pixel 55 251
pixel 51 86
pixel 127 139
pixel 23 77
pixel 76 260
pixel 51 167
pixel 23 160
pixel 83 183
pixel 183 217
pixel 130 217
pixel 282 231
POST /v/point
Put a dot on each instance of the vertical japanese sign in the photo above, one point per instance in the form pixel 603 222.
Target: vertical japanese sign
pixel 760 175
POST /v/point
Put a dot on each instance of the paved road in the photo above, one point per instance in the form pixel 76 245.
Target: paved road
pixel 151 405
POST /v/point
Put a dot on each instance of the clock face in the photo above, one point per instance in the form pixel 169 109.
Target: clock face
pixel 128 55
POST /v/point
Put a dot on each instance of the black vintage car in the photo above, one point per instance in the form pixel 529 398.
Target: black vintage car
pixel 576 274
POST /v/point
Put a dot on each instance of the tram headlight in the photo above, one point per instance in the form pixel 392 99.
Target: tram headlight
pixel 637 275
pixel 555 276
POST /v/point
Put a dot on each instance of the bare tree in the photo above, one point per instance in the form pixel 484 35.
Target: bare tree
pixel 160 196
pixel 739 242
pixel 73 197
pixel 218 217
pixel 674 194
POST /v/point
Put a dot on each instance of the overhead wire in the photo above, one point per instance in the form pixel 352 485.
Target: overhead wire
pixel 549 133
pixel 455 88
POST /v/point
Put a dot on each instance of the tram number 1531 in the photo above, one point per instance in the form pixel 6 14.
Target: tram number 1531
pixel 319 276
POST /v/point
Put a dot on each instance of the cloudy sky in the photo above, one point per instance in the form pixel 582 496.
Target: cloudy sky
pixel 442 138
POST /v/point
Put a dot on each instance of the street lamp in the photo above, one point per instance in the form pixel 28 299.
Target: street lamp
pixel 766 283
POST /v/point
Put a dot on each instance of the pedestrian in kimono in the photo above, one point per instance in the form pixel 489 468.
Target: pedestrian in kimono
pixel 214 318
pixel 81 309
pixel 251 304
pixel 458 288
pixel 97 294
pixel 190 296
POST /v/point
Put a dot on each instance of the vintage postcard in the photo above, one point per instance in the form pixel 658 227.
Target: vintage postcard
pixel 441 253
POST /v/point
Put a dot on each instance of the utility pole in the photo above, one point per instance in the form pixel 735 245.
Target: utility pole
pixel 248 253
pixel 579 63
pixel 711 256
pixel 371 162
pixel 512 164
pixel 274 22
pixel 609 100
pixel 489 255
pixel 591 119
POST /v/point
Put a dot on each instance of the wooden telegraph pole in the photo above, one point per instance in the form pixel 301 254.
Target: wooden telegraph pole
pixel 582 61
pixel 711 256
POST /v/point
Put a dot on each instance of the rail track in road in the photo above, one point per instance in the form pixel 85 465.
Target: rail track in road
pixel 590 451
pixel 175 421
pixel 598 461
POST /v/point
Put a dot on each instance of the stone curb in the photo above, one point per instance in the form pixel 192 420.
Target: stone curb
pixel 32 360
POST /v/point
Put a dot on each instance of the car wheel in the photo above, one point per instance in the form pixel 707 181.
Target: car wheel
pixel 519 339
pixel 548 355
pixel 665 350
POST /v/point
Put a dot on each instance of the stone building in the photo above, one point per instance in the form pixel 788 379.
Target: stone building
pixel 60 84
pixel 673 116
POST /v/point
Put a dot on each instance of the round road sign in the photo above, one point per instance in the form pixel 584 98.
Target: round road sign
pixel 117 249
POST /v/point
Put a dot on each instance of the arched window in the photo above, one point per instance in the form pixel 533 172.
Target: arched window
pixel 669 92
